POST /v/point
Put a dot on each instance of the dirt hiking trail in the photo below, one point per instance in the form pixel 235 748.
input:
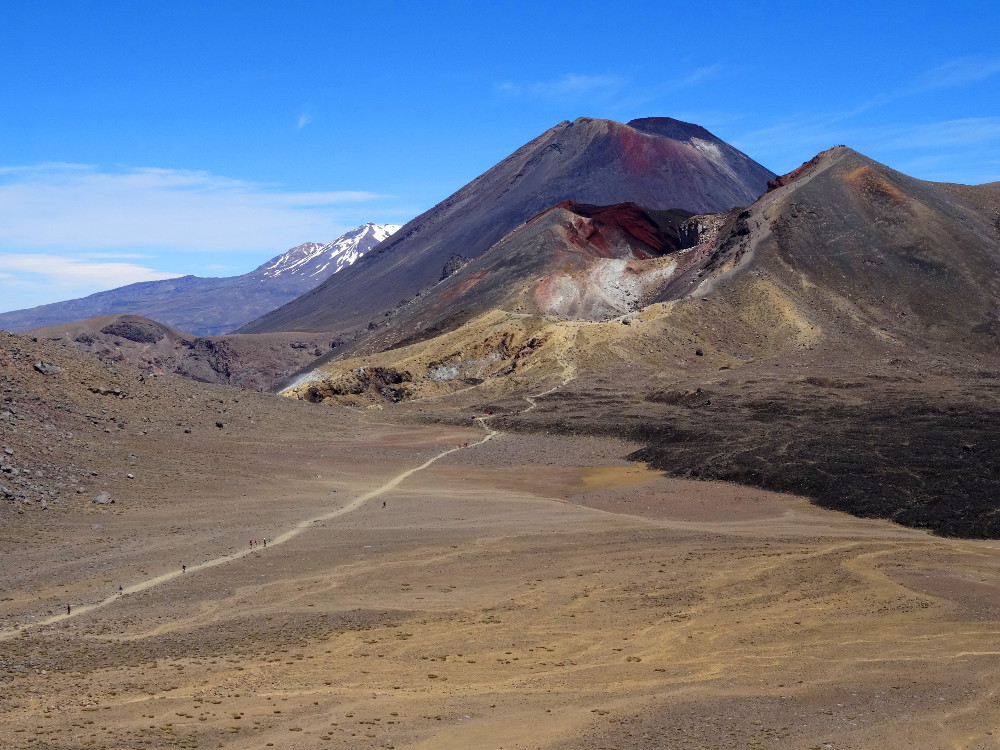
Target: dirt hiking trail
pixel 281 538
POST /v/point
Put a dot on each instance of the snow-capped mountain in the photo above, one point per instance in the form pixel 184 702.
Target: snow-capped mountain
pixel 212 306
pixel 315 261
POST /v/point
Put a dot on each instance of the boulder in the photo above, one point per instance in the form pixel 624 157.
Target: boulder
pixel 47 368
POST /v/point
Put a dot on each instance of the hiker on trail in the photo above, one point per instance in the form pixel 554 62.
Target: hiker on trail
pixel 265 541
pixel 68 609
pixel 184 568
pixel 120 589
pixel 383 503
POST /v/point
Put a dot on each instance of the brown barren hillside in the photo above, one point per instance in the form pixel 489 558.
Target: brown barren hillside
pixel 444 586
pixel 256 363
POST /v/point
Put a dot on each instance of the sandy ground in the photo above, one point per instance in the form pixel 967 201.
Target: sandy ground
pixel 525 592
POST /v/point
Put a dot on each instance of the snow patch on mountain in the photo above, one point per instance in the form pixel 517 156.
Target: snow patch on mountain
pixel 313 260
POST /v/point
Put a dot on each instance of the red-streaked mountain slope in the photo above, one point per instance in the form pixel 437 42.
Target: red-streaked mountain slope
pixel 659 163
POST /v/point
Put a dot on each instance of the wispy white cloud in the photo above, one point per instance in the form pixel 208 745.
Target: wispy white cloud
pixel 126 256
pixel 834 127
pixel 940 150
pixel 956 73
pixel 694 77
pixel 566 87
pixel 799 138
pixel 50 166
pixel 969 131
pixel 72 272
pixel 304 119
pixel 636 99
pixel 613 91
pixel 81 208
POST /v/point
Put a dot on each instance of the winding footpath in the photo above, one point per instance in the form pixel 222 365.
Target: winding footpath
pixel 280 539
pixel 569 372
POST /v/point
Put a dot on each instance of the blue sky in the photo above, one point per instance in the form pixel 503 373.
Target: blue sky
pixel 145 139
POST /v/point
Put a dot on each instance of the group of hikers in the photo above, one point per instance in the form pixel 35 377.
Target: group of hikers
pixel 184 568
pixel 121 590
pixel 262 542
pixel 253 542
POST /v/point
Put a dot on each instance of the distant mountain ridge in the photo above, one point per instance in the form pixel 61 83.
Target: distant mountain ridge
pixel 212 306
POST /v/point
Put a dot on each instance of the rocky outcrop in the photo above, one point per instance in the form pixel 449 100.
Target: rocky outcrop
pixel 139 331
pixel 383 383
pixel 249 362
pixel 47 368
pixel 455 264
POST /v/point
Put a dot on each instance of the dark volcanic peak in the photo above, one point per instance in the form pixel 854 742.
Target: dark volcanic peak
pixel 848 249
pixel 588 161
pixel 900 253
pixel 668 127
